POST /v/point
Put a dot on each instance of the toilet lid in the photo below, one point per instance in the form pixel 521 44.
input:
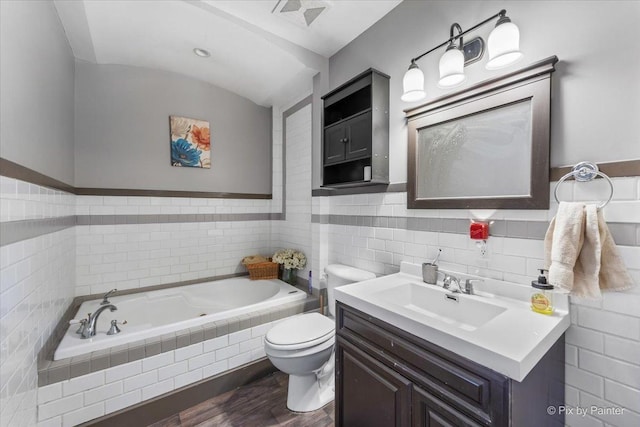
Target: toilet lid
pixel 300 331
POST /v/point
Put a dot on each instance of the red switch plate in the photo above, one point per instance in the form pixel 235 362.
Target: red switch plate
pixel 479 230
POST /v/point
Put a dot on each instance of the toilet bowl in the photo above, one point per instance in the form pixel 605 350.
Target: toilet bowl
pixel 303 347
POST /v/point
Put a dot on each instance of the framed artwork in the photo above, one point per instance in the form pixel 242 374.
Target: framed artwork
pixel 190 142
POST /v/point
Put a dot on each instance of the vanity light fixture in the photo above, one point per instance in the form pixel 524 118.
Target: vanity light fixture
pixel 203 53
pixel 503 47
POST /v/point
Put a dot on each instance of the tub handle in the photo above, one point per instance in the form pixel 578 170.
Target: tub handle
pixel 114 327
pixel 82 327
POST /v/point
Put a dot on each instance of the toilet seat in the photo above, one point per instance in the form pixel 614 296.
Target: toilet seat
pixel 300 332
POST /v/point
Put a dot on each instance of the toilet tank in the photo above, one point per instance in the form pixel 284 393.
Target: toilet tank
pixel 338 275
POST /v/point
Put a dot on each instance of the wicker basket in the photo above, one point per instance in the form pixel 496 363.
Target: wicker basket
pixel 263 270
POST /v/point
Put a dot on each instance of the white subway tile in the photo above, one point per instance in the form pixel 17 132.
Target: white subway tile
pixel 616 370
pixel 261 330
pixel 227 352
pixel 103 393
pixel 140 381
pixel 584 380
pixel 623 349
pixel 214 368
pixel 172 370
pixel 612 323
pixel 157 389
pixel 51 422
pixel 188 352
pixel 49 392
pixel 571 354
pixel 60 406
pixel 585 338
pixel 187 378
pixel 123 401
pixel 87 413
pixel 218 342
pixel 239 360
pixel 123 371
pixel 239 336
pixel 622 395
pixel 595 406
pixel 251 344
pixel 202 360
pixel 157 361
pixel 82 383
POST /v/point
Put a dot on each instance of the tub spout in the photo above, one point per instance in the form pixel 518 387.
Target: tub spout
pixel 90 329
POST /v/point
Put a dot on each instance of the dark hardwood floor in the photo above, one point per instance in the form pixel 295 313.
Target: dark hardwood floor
pixel 260 404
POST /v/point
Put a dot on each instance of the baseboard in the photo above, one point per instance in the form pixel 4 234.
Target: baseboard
pixel 161 407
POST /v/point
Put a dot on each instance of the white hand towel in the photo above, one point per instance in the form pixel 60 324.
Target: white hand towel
pixel 580 254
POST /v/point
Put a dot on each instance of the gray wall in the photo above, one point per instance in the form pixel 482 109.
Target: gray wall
pixel 36 83
pixel 596 93
pixel 122 132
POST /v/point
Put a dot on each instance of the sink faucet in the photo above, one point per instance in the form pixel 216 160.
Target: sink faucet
pixel 90 329
pixel 467 288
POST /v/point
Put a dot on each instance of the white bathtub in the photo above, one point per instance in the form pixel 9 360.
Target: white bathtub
pixel 155 313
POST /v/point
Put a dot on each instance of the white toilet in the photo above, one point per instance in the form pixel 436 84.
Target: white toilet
pixel 302 347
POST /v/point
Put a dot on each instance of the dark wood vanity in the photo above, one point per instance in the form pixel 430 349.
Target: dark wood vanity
pixel 387 377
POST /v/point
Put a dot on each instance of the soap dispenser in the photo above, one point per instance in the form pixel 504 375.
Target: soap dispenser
pixel 542 295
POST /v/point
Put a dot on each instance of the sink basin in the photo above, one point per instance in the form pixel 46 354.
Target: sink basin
pixel 422 303
pixel 495 327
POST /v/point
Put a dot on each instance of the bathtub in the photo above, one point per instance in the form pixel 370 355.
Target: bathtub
pixel 155 313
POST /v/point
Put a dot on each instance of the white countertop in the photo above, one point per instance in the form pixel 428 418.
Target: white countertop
pixel 510 343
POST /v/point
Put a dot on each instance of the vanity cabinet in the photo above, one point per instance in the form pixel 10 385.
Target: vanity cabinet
pixel 356 131
pixel 388 377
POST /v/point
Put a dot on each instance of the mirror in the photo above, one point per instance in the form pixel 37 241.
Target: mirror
pixel 484 147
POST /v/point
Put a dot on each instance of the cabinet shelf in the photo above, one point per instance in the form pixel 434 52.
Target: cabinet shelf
pixel 356 131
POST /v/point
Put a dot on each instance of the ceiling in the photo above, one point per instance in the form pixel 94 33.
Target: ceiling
pixel 263 50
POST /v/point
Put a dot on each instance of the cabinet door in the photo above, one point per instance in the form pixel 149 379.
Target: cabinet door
pixel 368 394
pixel 334 142
pixel 359 137
pixel 429 411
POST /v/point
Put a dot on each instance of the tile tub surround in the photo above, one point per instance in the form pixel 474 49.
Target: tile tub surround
pixel 50 371
pixel 85 388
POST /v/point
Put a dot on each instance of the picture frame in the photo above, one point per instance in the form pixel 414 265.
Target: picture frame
pixel 486 147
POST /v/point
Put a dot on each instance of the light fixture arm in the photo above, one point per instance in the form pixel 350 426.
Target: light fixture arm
pixel 500 14
pixel 456 26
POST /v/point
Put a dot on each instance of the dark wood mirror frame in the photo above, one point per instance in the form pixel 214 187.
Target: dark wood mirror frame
pixel 532 84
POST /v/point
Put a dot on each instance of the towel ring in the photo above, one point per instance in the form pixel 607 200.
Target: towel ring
pixel 585 172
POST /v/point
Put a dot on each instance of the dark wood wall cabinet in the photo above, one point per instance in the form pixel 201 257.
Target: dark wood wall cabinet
pixel 356 131
pixel 386 377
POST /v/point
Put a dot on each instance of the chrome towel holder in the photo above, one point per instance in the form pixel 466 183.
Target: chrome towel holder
pixel 585 172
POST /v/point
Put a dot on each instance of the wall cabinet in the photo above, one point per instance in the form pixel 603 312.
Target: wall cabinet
pixel 356 131
pixel 387 377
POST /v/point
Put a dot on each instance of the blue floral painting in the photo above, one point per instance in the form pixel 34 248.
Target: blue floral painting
pixel 190 142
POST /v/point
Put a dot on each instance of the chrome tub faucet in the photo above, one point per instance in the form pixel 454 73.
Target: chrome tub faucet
pixel 105 301
pixel 90 328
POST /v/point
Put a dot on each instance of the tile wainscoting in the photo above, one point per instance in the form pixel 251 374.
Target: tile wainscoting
pixel 376 232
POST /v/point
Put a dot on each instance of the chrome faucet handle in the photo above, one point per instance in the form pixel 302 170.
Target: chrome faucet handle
pixel 468 285
pixel 114 327
pixel 105 301
pixel 82 327
pixel 446 282
pixel 452 280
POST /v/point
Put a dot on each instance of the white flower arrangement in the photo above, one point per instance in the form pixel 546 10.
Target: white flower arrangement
pixel 290 258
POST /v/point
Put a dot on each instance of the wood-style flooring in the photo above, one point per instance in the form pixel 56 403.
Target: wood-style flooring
pixel 260 404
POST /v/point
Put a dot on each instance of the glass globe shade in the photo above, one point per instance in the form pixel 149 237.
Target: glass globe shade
pixel 413 84
pixel 503 46
pixel 451 68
